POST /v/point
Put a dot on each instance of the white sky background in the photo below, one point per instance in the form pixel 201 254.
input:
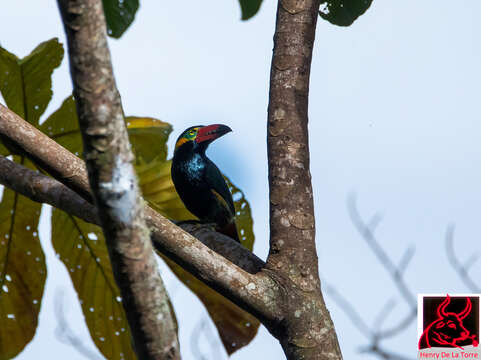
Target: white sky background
pixel 394 117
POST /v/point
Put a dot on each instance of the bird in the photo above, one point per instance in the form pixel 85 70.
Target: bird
pixel 199 182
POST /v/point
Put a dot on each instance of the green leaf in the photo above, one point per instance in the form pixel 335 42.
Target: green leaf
pixel 147 135
pixel 87 259
pixel 22 271
pixel 26 84
pixel 343 12
pixel 3 150
pixel 235 326
pixel 249 8
pixel 243 218
pixel 62 126
pixel 81 247
pixel 11 81
pixel 119 14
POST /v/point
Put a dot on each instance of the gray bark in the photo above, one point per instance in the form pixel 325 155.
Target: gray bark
pixel 284 293
pixel 114 184
pixel 307 331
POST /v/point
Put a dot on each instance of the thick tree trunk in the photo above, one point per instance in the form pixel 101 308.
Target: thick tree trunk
pixel 307 331
pixel 283 293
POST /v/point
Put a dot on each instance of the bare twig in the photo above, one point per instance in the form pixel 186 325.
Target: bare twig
pixel 348 309
pixel 383 314
pixel 203 328
pixel 384 354
pixel 372 335
pixel 395 272
pixel 65 334
pixel 376 334
pixel 406 259
pixel 461 269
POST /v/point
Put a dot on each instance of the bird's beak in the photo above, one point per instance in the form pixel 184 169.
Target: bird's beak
pixel 211 132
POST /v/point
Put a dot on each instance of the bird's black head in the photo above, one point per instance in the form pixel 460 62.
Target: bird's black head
pixel 199 137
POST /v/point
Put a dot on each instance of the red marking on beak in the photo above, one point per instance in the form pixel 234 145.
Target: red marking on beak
pixel 211 132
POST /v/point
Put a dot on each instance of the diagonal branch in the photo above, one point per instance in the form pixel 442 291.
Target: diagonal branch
pixel 44 189
pixel 286 294
pixel 384 354
pixel 349 310
pixel 394 271
pixel 210 267
pixel 114 184
pixel 65 334
pixel 461 269
pixel 375 335
pixel 372 335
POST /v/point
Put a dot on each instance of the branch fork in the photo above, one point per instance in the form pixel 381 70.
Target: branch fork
pixel 283 293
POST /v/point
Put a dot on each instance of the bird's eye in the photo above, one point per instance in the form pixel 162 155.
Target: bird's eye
pixel 191 132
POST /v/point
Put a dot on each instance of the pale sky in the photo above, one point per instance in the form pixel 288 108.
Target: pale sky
pixel 394 117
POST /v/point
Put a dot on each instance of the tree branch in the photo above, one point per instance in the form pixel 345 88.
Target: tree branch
pixel 291 204
pixel 285 294
pixel 461 269
pixel 394 271
pixel 65 334
pixel 43 189
pixel 173 242
pixel 308 332
pixel 375 335
pixel 113 182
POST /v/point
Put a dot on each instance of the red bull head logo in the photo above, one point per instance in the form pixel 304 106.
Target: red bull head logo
pixel 448 329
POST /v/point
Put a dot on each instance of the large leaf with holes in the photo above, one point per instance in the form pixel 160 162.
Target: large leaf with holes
pixel 62 126
pixel 3 150
pixel 343 12
pixel 22 271
pixel 26 84
pixel 81 247
pixel 235 326
pixel 148 135
pixel 119 14
pixel 249 8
